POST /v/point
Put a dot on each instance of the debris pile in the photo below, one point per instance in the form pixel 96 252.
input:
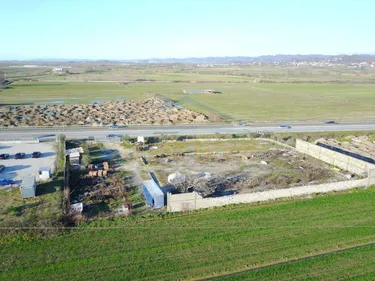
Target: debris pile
pixel 100 170
pixel 148 111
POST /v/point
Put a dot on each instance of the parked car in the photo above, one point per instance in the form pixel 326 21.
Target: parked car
pixel 285 126
pixel 36 154
pixel 2 168
pixel 4 156
pixel 113 127
pixel 19 155
pixel 330 122
pixel 6 182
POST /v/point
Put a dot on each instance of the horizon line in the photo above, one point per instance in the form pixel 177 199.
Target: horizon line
pixel 182 58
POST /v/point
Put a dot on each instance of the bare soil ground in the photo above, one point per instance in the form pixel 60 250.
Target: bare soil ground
pixel 272 169
pixel 216 168
pixel 361 145
pixel 244 167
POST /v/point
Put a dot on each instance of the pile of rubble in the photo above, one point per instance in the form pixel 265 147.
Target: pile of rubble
pixel 149 111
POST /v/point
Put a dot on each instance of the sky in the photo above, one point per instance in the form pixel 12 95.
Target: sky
pixel 142 29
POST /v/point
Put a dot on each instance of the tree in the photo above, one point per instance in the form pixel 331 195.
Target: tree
pixel 2 80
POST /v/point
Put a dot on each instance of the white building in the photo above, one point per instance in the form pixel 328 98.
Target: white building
pixel 44 173
pixel 76 208
pixel 141 139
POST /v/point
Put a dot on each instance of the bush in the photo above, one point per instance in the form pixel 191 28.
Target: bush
pixel 61 153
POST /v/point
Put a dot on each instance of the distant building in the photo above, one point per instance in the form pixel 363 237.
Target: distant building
pixel 57 69
pixel 153 194
pixel 28 187
pixel 207 91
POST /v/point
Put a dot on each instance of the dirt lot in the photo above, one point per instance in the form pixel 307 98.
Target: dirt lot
pixel 16 169
pixel 361 145
pixel 216 174
pixel 102 189
pixel 239 166
pixel 212 168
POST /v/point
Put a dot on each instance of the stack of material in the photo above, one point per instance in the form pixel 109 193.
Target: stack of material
pixel 93 173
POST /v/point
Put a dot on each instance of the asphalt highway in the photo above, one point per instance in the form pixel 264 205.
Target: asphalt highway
pixel 99 133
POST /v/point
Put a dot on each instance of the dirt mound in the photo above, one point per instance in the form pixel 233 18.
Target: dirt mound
pixel 149 111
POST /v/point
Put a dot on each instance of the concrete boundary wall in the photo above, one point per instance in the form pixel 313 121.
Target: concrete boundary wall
pixel 334 158
pixel 193 201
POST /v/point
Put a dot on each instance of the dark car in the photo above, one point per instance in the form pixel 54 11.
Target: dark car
pixel 19 155
pixel 285 126
pixel 330 122
pixel 2 167
pixel 4 156
pixel 36 154
pixel 114 136
pixel 6 182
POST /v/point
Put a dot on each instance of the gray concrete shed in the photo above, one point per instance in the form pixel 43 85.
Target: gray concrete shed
pixel 28 186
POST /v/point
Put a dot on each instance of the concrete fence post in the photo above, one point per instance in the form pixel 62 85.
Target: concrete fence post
pixel 371 177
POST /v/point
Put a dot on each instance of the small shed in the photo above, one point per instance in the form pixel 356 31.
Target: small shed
pixel 28 186
pixel 75 155
pixel 153 194
pixel 74 158
pixel 76 208
pixel 141 139
pixel 44 173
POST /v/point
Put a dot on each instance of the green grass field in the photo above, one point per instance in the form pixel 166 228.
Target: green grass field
pixel 238 101
pixel 353 264
pixel 208 243
pixel 42 210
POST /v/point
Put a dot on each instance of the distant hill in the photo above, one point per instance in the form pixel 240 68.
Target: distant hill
pixel 344 58
pixel 266 59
